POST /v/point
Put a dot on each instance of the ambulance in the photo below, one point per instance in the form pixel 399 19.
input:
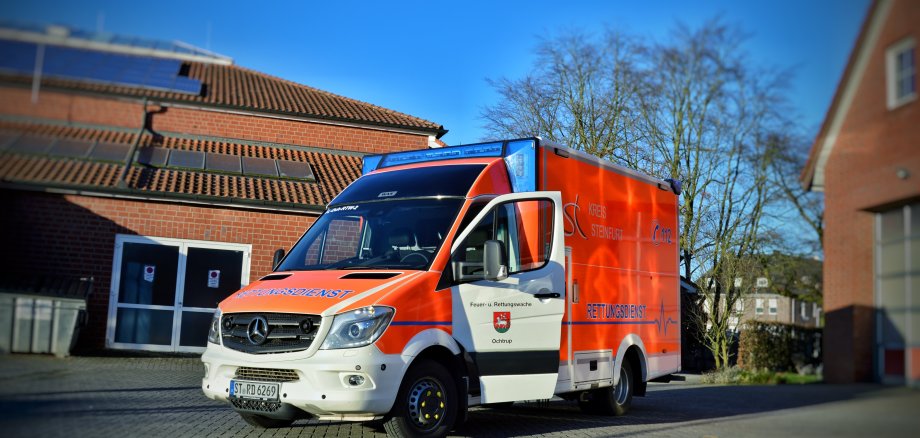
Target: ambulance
pixel 447 278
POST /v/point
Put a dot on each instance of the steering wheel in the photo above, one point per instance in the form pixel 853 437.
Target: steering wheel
pixel 414 254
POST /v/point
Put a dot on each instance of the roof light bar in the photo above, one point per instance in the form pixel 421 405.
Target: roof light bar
pixel 520 158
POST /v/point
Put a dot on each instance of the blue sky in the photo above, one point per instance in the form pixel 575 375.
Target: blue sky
pixel 431 59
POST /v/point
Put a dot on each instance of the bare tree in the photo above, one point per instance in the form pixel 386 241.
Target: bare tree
pixel 807 206
pixel 581 93
pixel 689 107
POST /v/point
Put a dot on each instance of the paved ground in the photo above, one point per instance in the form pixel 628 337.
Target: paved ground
pixel 82 396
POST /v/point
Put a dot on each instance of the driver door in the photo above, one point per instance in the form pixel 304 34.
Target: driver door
pixel 511 325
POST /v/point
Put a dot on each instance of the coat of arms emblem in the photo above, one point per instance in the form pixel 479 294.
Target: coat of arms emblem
pixel 501 321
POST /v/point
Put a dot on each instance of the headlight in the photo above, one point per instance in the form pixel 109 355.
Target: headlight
pixel 214 332
pixel 358 328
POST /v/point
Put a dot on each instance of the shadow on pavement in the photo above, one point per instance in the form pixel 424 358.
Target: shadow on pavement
pixel 661 407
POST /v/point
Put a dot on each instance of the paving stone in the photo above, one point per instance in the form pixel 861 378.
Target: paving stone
pixel 103 396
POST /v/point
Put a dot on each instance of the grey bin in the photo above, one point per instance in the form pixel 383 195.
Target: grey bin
pixel 45 323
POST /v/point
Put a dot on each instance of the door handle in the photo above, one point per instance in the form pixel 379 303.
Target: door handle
pixel 545 295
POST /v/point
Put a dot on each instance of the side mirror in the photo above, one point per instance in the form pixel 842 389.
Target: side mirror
pixel 276 259
pixel 493 260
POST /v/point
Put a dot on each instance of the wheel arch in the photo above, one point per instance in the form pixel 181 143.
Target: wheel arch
pixel 632 349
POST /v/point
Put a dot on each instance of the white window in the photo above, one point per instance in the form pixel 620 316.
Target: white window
pixel 758 306
pixel 901 73
pixel 763 282
pixel 773 306
pixel 802 308
pixel 737 281
pixel 739 306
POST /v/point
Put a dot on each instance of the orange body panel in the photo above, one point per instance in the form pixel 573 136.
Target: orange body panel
pixel 418 307
pixel 622 232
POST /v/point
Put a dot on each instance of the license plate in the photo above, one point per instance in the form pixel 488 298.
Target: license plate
pixel 254 390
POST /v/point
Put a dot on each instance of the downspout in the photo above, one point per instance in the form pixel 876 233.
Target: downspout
pixel 122 183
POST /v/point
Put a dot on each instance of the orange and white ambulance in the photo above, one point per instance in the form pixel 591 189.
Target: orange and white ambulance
pixel 460 276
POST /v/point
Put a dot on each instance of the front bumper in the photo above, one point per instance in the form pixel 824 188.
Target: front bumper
pixel 322 388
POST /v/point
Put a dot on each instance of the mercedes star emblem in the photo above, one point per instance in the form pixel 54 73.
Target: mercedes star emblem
pixel 257 331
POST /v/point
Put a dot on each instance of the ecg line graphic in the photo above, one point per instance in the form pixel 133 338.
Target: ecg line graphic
pixel 665 322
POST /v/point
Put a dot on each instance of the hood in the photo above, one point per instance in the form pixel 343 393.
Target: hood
pixel 312 292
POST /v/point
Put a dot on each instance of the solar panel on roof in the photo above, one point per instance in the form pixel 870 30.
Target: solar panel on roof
pixel 110 152
pixel 294 169
pixel 222 162
pixel 259 166
pixel 152 156
pixel 96 66
pixel 71 148
pixel 31 144
pixel 186 159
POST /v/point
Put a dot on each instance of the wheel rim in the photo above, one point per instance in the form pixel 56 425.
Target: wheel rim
pixel 427 404
pixel 622 390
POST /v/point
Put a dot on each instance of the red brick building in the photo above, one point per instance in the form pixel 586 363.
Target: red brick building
pixel 169 179
pixel 866 160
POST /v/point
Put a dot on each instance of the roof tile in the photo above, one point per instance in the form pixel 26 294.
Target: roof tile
pixel 238 87
pixel 333 172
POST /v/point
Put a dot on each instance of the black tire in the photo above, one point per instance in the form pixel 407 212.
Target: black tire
pixel 426 405
pixel 612 400
pixel 264 422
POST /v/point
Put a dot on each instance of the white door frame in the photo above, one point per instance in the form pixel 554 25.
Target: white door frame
pixel 177 308
pixel 473 323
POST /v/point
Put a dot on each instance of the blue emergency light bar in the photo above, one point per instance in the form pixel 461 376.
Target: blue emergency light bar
pixel 520 159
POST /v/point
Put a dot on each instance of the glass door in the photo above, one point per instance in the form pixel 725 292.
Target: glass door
pixel 146 294
pixel 211 275
pixel 164 291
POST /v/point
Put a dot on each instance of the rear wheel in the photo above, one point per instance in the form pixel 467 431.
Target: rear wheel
pixel 426 405
pixel 264 422
pixel 612 400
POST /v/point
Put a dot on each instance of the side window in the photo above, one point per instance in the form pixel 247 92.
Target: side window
pixel 525 227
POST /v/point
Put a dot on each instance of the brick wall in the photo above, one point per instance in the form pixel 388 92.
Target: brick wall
pixel 87 109
pixel 860 176
pixel 74 108
pixel 75 236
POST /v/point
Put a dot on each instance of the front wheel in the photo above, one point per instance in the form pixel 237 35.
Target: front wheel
pixel 426 405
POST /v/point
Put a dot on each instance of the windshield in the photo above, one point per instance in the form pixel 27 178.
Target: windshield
pixel 397 234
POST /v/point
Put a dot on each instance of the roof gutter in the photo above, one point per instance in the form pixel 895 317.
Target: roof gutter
pixel 140 195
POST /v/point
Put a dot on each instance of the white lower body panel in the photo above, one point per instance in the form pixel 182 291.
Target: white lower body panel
pixel 498 389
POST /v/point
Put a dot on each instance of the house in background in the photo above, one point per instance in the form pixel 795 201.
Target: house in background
pixel 786 289
pixel 781 288
pixel 866 160
pixel 166 173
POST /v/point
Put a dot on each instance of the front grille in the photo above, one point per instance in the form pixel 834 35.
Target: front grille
pixel 266 374
pixel 255 405
pixel 285 332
